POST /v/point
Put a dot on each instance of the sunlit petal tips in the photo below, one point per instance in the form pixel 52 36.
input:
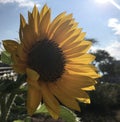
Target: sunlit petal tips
pixel 54 56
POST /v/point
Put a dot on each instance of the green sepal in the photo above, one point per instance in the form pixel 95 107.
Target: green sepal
pixel 6 57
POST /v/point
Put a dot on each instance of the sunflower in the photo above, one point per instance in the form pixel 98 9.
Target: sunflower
pixel 54 56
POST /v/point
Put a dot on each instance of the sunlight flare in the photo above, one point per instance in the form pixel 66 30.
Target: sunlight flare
pixel 110 1
pixel 102 1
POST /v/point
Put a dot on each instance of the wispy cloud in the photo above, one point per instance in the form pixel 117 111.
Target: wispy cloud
pixel 21 3
pixel 113 48
pixel 114 23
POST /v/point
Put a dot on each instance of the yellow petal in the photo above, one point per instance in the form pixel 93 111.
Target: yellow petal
pixel 19 68
pixel 43 12
pixel 75 55
pixel 21 53
pixel 83 59
pixel 76 37
pixel 60 20
pixel 50 100
pixel 18 65
pixel 29 37
pixel 74 81
pixel 33 99
pixel 33 24
pixel 52 112
pixel 32 78
pixel 64 97
pixel 89 88
pixel 30 20
pixel 84 100
pixel 22 25
pixel 82 47
pixel 85 70
pixel 72 38
pixel 65 36
pixel 54 24
pixel 35 14
pixel 33 20
pixel 62 27
pixel 64 32
pixel 16 59
pixel 10 45
pixel 44 24
pixel 73 87
pixel 31 74
pixel 73 90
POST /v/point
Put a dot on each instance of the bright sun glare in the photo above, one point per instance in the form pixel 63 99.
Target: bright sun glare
pixel 102 1
pixel 110 1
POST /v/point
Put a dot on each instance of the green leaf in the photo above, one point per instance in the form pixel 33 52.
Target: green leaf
pixel 28 119
pixel 6 57
pixel 18 121
pixel 65 113
pixel 42 109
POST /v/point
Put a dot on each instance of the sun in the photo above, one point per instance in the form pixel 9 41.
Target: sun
pixel 102 1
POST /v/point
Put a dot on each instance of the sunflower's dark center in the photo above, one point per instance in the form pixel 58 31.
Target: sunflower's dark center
pixel 47 59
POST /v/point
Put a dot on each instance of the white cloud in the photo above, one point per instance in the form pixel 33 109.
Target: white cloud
pixel 114 23
pixel 21 3
pixel 113 49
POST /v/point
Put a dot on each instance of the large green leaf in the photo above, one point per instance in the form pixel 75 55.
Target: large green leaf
pixel 65 113
pixel 68 115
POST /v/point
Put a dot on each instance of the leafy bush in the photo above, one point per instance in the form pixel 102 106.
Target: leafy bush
pixel 105 104
pixel 106 95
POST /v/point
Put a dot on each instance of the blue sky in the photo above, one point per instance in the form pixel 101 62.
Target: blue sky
pixel 99 21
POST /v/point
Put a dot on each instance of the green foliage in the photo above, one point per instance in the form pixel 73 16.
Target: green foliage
pixel 6 57
pixel 65 113
pixel 10 91
pixel 108 66
pixel 106 94
pixel 105 103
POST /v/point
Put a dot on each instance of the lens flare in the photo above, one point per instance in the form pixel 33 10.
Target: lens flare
pixel 110 1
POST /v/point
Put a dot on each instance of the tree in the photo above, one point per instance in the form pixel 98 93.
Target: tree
pixel 107 66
